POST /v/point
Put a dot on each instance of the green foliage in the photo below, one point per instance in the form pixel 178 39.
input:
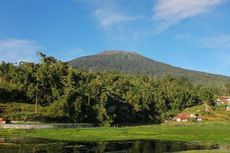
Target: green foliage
pixel 65 94
pixel 226 89
pixel 57 109
pixel 22 112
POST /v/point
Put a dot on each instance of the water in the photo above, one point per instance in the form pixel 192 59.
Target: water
pixel 35 145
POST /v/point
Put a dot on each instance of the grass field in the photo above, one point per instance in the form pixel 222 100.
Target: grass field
pixel 207 132
pixel 206 151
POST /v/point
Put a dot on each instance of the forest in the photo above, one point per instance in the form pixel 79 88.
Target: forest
pixel 54 91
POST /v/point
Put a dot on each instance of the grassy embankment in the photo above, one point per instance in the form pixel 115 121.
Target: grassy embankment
pixel 203 132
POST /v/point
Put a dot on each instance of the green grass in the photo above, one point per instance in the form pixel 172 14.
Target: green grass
pixel 201 132
pixel 206 151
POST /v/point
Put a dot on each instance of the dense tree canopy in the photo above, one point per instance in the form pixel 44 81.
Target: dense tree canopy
pixel 57 92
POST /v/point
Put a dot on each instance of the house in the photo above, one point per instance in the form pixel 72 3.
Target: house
pixel 2 121
pixel 219 102
pixel 185 117
pixel 1 140
pixel 182 117
pixel 223 100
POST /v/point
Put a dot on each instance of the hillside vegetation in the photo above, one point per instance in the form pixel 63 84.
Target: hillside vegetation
pixel 53 91
pixel 133 63
pixel 217 113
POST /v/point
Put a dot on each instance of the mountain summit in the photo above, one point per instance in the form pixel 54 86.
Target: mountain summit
pixel 134 63
pixel 113 52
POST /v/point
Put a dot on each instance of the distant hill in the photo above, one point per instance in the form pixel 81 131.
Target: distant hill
pixel 133 63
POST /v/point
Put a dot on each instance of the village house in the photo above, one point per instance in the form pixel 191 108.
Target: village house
pixel 223 100
pixel 2 140
pixel 219 102
pixel 185 117
pixel 2 121
pixel 182 117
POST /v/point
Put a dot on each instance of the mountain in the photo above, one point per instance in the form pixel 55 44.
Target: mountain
pixel 133 63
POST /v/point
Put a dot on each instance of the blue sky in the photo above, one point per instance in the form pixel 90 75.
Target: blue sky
pixel 193 34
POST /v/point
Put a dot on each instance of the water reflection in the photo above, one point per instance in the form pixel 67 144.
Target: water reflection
pixel 35 145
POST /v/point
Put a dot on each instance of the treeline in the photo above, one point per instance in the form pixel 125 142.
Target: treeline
pixel 57 92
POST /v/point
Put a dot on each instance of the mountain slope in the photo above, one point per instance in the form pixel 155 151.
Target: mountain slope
pixel 133 63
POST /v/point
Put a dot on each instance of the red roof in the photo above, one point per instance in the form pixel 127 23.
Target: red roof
pixel 2 119
pixel 224 98
pixel 183 115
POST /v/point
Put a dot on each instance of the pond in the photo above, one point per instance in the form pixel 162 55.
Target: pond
pixel 36 145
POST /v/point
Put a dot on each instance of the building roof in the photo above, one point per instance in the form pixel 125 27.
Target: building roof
pixel 224 98
pixel 2 119
pixel 183 116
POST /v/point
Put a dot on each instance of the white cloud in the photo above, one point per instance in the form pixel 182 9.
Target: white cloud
pixel 169 12
pixel 108 13
pixel 220 42
pixel 109 18
pixel 16 50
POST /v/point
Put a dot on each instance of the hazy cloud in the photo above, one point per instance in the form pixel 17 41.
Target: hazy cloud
pixel 169 12
pixel 220 42
pixel 108 18
pixel 108 13
pixel 15 50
